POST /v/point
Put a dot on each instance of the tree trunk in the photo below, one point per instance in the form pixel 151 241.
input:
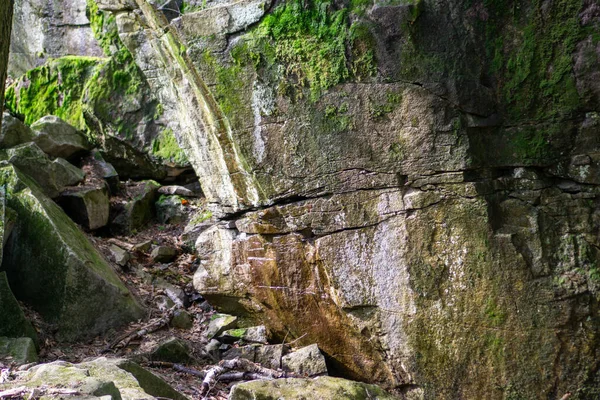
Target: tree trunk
pixel 6 12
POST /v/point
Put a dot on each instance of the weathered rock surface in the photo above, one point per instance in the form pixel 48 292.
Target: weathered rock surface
pixel 139 210
pixel 19 351
pixel 52 176
pixel 219 324
pixel 307 361
pixel 425 187
pixel 171 350
pixel 53 267
pixel 14 132
pixel 324 388
pixel 12 320
pixel 37 27
pixel 163 254
pixel 118 378
pixel 86 205
pixel 57 138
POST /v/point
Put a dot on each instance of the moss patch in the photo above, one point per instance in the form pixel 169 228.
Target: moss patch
pixel 165 146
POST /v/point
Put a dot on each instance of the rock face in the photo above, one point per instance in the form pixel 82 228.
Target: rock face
pixel 14 132
pixel 420 199
pixel 57 138
pixel 20 350
pixel 39 23
pixel 117 378
pixel 53 267
pixel 324 388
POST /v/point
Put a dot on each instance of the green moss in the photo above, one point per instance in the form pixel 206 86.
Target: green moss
pixel 165 146
pixel 494 314
pixel 535 65
pixel 187 8
pixel 379 110
pixel 55 88
pixel 201 217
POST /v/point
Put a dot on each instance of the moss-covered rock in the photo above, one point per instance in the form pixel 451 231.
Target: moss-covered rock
pixel 119 378
pixel 53 267
pixel 13 321
pixel 19 351
pixel 325 388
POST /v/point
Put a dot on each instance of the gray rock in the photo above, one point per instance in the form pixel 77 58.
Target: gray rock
pixel 14 132
pixel 219 323
pixel 163 254
pixel 270 356
pixel 20 351
pixel 86 205
pixel 66 173
pixel 182 320
pixel 177 190
pixel 192 231
pixel 57 138
pixel 138 211
pixel 54 268
pixel 173 291
pixel 143 247
pixel 172 350
pixel 12 320
pixel 246 352
pixel 322 388
pixel 120 256
pixel 117 378
pixel 163 303
pixel 307 361
pixel 212 349
pixel 31 160
pixel 171 210
pixel 254 334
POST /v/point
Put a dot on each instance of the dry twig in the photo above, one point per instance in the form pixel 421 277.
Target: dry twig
pixel 152 326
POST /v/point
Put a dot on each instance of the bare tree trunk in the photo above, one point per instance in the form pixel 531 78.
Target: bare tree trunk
pixel 6 13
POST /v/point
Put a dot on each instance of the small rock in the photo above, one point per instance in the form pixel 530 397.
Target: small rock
pixel 86 205
pixel 171 210
pixel 66 173
pixel 219 324
pixel 57 138
pixel 14 132
pixel 270 356
pixel 138 211
pixel 20 351
pixel 143 246
pixel 212 348
pixel 246 352
pixel 255 334
pixel 182 320
pixel 163 303
pixel 177 190
pixel 174 292
pixel 308 361
pixel 224 347
pixel 120 255
pixel 163 254
pixel 172 350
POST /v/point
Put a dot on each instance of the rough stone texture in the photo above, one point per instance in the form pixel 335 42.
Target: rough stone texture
pixel 45 29
pixel 424 191
pixel 12 320
pixel 170 210
pixel 219 324
pixel 53 267
pixel 253 334
pixel 86 205
pixel 119 378
pixel 52 176
pixel 307 361
pixel 57 138
pixel 182 320
pixel 137 212
pixel 14 132
pixel 172 350
pixel 120 256
pixel 324 388
pixel 163 254
pixel 19 351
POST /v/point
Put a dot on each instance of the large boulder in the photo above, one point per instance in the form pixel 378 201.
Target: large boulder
pixel 89 206
pixel 117 378
pixel 323 388
pixel 53 267
pixel 14 132
pixel 52 176
pixel 57 138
